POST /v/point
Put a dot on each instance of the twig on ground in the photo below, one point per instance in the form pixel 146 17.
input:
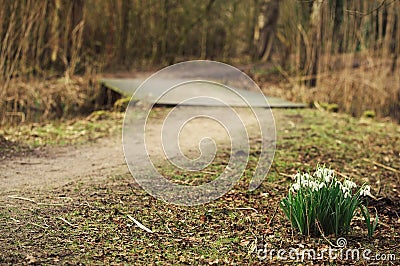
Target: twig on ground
pixel 15 220
pixel 169 230
pixel 273 216
pixel 50 204
pixel 22 198
pixel 65 221
pixel 282 174
pixel 381 165
pixel 342 175
pixel 86 203
pixel 38 225
pixel 33 201
pixel 323 235
pixel 141 226
pixel 385 225
pixel 285 175
pixel 246 208
pixel 66 198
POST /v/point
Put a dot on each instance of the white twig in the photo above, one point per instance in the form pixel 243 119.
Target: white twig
pixel 246 208
pixel 65 221
pixel 169 230
pixel 38 225
pixel 141 226
pixel 50 204
pixel 15 220
pixel 21 198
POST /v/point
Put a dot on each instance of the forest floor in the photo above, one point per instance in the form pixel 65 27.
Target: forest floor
pixel 66 196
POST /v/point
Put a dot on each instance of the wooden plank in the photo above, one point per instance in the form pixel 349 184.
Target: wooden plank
pixel 198 91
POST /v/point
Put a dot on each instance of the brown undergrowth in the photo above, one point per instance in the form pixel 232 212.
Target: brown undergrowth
pixel 360 85
pixel 43 100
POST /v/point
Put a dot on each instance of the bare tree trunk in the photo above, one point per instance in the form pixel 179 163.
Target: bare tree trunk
pixel 337 27
pixel 315 32
pixel 126 7
pixel 54 31
pixel 253 12
pixel 204 30
pixel 396 40
pixel 267 22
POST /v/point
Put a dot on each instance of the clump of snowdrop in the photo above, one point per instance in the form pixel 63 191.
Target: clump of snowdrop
pixel 322 198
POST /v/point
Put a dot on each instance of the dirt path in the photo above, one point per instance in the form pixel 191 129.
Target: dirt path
pixel 56 166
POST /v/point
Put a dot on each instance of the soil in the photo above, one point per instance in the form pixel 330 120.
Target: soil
pixel 55 166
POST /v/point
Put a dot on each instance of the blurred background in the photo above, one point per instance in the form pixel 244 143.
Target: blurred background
pixel 339 55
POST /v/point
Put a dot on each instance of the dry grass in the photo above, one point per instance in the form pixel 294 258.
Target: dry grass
pixel 38 101
pixel 360 90
pixel 357 86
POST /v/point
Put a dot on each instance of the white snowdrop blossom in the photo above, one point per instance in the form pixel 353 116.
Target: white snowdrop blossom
pixel 314 182
pixel 344 189
pixel 327 178
pixel 324 178
pixel 295 187
pixel 305 178
pixel 318 173
pixel 314 185
pixel 304 183
pixel 297 176
pixel 349 184
pixel 365 191
pixel 325 174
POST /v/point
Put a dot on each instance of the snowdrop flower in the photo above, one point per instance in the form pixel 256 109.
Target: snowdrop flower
pixel 314 185
pixel 295 186
pixel 306 177
pixel 304 183
pixel 318 173
pixel 321 185
pixel 365 191
pixel 349 184
pixel 344 189
pixel 325 174
pixel 328 177
pixel 329 172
